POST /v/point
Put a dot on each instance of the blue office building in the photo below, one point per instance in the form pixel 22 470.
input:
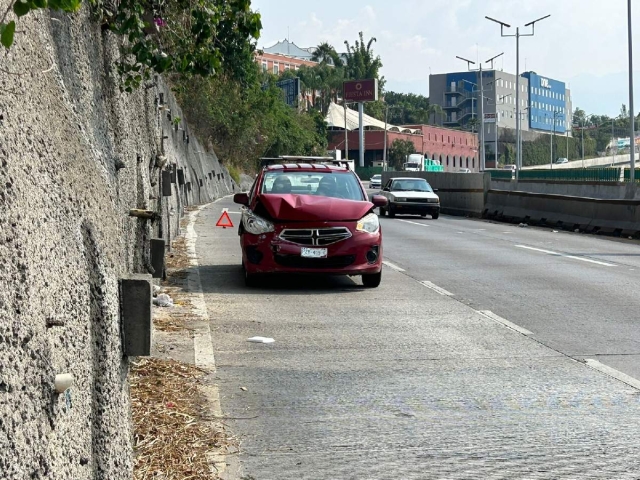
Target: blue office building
pixel 547 104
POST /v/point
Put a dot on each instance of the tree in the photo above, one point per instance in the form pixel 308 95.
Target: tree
pixel 410 109
pixel 325 53
pixel 398 152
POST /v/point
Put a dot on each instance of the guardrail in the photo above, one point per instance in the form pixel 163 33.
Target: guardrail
pixel 606 174
pixel 501 174
pixel 627 175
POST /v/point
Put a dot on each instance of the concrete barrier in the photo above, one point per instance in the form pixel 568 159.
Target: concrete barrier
pixel 607 215
pixel 460 193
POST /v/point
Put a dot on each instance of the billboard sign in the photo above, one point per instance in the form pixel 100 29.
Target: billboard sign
pixel 361 90
pixel 291 89
pixel 489 118
pixel 544 83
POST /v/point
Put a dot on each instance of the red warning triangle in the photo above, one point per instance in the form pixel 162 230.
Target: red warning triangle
pixel 224 220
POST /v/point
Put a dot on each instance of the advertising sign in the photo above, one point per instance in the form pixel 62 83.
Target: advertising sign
pixel 489 118
pixel 361 90
pixel 291 89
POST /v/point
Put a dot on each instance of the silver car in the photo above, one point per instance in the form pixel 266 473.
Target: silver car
pixel 376 181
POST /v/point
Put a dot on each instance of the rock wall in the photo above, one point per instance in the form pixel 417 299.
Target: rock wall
pixel 76 155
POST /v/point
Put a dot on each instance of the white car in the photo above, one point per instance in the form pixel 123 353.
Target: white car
pixel 561 161
pixel 376 181
pixel 411 196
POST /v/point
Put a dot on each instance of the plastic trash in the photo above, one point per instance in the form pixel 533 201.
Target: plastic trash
pixel 156 290
pixel 163 300
pixel 554 231
pixel 523 225
pixel 260 340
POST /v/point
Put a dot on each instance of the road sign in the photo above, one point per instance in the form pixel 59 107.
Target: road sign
pixel 489 118
pixel 361 90
pixel 224 221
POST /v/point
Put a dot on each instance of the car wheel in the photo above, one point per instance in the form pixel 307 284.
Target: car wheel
pixel 435 215
pixel 383 212
pixel 372 280
pixel 423 215
pixel 250 279
pixel 391 211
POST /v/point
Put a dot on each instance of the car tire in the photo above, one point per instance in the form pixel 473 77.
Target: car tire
pixel 250 279
pixel 423 215
pixel 435 215
pixel 383 212
pixel 391 212
pixel 372 280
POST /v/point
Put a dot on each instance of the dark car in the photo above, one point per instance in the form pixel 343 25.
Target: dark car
pixel 311 219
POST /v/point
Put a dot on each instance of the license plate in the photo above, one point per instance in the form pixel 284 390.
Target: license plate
pixel 314 252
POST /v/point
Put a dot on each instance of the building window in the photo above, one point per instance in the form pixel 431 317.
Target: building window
pixel 467 162
pixel 454 158
pixel 287 66
pixel 264 66
pixel 276 68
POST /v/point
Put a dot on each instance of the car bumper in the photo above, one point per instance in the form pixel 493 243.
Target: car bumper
pixel 416 208
pixel 268 254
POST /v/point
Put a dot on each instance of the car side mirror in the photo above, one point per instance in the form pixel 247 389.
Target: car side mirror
pixel 385 189
pixel 435 190
pixel 241 199
pixel 379 201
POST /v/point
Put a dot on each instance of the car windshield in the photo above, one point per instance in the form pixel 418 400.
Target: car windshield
pixel 326 184
pixel 411 185
pixel 376 177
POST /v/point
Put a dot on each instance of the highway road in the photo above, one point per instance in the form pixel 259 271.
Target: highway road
pixel 489 351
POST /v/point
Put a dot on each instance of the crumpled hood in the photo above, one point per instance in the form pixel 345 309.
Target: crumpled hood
pixel 311 207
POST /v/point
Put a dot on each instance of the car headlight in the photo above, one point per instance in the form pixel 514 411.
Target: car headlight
pixel 369 223
pixel 254 224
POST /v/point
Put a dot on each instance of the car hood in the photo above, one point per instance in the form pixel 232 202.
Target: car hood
pixel 414 194
pixel 311 207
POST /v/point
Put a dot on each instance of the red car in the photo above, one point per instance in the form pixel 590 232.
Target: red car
pixel 310 218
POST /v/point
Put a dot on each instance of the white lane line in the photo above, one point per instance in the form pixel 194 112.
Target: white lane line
pixel 415 223
pixel 573 257
pixel 505 322
pixel 436 289
pixel 393 266
pixel 612 372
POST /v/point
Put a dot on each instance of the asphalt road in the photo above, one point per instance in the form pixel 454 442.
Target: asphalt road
pixel 412 380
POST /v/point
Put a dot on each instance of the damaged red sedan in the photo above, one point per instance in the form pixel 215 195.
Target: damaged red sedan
pixel 310 219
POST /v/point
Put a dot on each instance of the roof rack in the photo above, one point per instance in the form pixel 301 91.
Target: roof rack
pixel 265 161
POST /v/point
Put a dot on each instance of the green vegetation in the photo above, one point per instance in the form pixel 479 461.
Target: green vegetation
pixel 398 152
pixel 538 152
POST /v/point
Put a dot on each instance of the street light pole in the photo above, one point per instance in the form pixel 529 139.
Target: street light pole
pixel 346 132
pixel 518 120
pixel 384 153
pixel 482 158
pixel 632 138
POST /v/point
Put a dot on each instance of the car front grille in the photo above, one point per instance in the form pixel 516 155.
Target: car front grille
pixel 422 200
pixel 295 261
pixel 316 237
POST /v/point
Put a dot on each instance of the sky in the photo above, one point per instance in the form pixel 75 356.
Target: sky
pixel 583 43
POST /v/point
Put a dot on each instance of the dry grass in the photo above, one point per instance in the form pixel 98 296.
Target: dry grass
pixel 171 440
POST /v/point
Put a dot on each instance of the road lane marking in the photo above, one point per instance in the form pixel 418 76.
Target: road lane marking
pixel 612 372
pixel 393 266
pixel 573 257
pixel 436 289
pixel 505 322
pixel 415 223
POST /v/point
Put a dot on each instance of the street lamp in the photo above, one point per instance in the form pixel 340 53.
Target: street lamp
pixel 500 102
pixel 632 138
pixel 384 153
pixel 518 35
pixel 481 82
pixel 556 114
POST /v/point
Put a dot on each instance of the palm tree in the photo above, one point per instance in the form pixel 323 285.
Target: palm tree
pixel 361 62
pixel 325 53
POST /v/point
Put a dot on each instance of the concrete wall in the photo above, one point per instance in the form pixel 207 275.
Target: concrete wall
pixel 460 193
pixel 66 239
pixel 590 207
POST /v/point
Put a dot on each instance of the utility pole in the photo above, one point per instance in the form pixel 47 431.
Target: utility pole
pixel 551 151
pixel 518 120
pixel 632 138
pixel 612 147
pixel 384 152
pixel 361 132
pixel 482 158
pixel 346 132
